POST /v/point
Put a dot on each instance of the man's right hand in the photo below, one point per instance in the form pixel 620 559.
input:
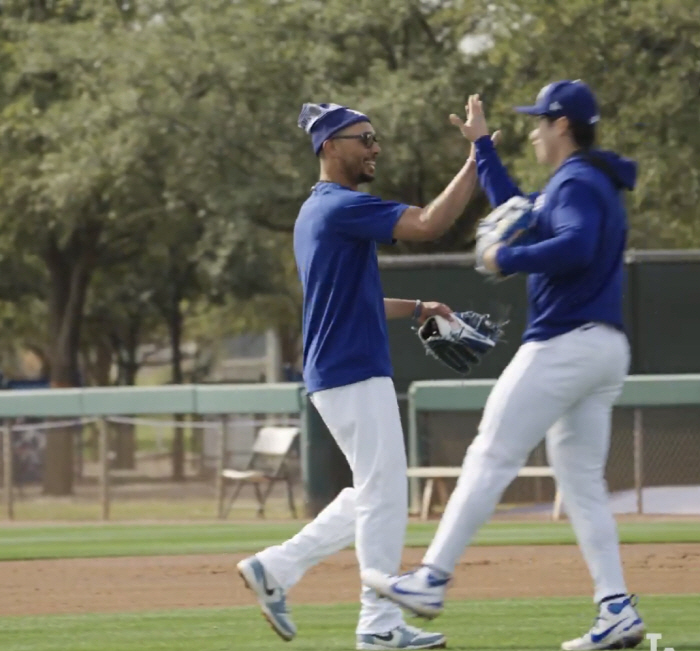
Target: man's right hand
pixel 475 126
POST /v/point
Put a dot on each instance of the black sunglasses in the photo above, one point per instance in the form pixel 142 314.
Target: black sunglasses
pixel 367 138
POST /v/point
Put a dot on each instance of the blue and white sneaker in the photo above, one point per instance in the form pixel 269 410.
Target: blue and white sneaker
pixel 618 626
pixel 402 637
pixel 422 591
pixel 271 596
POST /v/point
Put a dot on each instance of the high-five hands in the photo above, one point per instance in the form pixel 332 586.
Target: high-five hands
pixel 475 125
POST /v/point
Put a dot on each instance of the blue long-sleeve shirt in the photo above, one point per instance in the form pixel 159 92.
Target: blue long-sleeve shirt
pixel 575 267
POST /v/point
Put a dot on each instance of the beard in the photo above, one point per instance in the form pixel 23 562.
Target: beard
pixel 356 171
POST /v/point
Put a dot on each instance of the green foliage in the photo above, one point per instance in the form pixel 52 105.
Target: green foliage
pixel 641 58
pixel 152 147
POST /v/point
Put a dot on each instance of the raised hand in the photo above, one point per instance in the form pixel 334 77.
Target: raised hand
pixel 475 126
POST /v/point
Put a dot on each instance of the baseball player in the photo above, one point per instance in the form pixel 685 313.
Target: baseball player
pixel 347 368
pixel 563 380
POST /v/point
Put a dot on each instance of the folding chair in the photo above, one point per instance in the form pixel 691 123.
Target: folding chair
pixel 268 464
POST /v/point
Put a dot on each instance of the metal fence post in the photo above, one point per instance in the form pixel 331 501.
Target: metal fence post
pixel 304 426
pixel 638 434
pixel 104 466
pixel 7 469
pixel 221 464
pixel 413 452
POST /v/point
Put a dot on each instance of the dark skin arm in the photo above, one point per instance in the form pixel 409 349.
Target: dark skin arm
pixel 433 221
pixel 399 308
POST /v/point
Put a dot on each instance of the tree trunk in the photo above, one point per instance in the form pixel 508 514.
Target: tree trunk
pixel 125 440
pixel 175 330
pixel 97 365
pixel 126 344
pixel 69 269
pixel 97 362
pixel 131 362
pixel 290 342
pixel 124 446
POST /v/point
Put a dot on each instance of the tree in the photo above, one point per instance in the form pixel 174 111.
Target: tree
pixel 640 58
pixel 152 147
pixel 69 150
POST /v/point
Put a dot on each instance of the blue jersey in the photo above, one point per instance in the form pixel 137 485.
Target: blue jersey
pixel 344 321
pixel 576 266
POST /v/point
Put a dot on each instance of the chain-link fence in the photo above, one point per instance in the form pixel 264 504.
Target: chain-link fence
pixel 161 465
pixel 653 464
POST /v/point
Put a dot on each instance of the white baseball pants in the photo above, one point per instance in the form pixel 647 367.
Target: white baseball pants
pixel 565 388
pixel 364 421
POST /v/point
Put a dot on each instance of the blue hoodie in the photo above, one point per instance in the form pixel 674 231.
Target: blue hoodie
pixel 576 266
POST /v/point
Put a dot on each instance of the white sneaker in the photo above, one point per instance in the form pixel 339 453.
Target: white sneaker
pixel 402 637
pixel 271 596
pixel 422 591
pixel 618 626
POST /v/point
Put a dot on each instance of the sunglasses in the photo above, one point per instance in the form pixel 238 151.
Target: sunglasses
pixel 367 138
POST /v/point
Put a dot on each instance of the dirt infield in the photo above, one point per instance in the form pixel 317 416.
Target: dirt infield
pixel 168 582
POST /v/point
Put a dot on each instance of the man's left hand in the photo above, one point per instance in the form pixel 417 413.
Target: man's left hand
pixel 433 308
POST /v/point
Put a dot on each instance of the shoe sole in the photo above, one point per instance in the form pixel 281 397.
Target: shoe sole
pixel 375 582
pixel 285 635
pixel 629 642
pixel 379 647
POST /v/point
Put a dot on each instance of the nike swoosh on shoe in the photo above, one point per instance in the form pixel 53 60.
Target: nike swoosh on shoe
pixel 268 591
pixel 596 638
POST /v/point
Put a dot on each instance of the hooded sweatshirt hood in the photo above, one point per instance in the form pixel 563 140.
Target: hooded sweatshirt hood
pixel 621 171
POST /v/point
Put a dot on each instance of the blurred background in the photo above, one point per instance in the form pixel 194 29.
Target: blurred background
pixel 151 171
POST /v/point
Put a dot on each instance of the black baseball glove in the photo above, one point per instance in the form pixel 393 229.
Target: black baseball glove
pixel 461 342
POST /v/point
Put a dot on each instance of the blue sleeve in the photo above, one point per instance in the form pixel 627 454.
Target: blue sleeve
pixel 367 217
pixel 576 222
pixel 493 176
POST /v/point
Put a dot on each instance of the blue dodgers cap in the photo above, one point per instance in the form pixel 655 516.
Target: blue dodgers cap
pixel 321 121
pixel 570 99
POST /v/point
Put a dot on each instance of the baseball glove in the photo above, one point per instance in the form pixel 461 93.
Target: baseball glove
pixel 511 223
pixel 461 342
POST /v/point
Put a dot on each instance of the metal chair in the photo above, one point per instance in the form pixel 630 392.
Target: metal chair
pixel 269 464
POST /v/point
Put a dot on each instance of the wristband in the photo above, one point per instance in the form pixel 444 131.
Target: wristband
pixel 418 310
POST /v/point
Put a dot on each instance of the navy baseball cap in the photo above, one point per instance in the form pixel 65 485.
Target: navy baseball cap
pixel 570 99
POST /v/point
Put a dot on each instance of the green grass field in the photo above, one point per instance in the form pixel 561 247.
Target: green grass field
pixel 534 624
pixel 72 541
